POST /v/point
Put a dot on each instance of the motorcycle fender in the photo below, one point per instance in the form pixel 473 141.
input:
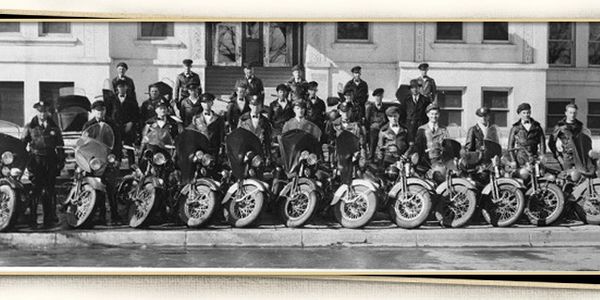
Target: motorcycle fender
pixel 458 181
pixel 501 181
pixel 257 183
pixel 95 183
pixel 211 183
pixel 581 189
pixel 14 184
pixel 311 183
pixel 156 182
pixel 411 181
pixel 343 188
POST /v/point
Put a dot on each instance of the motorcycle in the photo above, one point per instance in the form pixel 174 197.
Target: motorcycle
pixel 201 194
pixel 245 198
pixel 355 200
pixel 93 157
pixel 300 196
pixel 13 158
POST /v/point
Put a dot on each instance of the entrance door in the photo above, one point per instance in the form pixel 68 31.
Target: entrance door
pixel 253 43
pixel 278 44
pixel 227 44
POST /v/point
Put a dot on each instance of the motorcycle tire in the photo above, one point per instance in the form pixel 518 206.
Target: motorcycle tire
pixel 588 209
pixel 198 211
pixel 246 213
pixel 9 207
pixel 82 215
pixel 496 213
pixel 456 212
pixel 143 207
pixel 296 210
pixel 346 213
pixel 420 202
pixel 533 210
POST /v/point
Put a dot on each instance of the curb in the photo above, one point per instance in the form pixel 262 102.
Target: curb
pixel 587 235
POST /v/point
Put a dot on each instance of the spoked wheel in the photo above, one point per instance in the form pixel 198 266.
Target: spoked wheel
pixel 456 211
pixel 507 210
pixel 143 205
pixel 411 208
pixel 588 208
pixel 245 206
pixel 545 206
pixel 198 205
pixel 297 207
pixel 357 209
pixel 81 205
pixel 8 207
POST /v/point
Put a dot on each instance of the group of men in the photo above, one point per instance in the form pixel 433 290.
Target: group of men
pixel 411 124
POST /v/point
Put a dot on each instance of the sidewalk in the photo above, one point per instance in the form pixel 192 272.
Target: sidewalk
pixel 279 236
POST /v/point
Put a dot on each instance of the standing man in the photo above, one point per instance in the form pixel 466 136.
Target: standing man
pixel 375 120
pixel 111 174
pixel 527 134
pixel 180 90
pixel 191 105
pixel 129 116
pixel 280 110
pixel 428 86
pixel 46 160
pixel 210 124
pixel 299 121
pixel 148 106
pixel 344 122
pixel 316 107
pixel 361 91
pixel 254 84
pixel 429 138
pixel 413 109
pixel 122 68
pixel 255 122
pixel 568 131
pixel 391 134
pixel 297 80
pixel 481 131
pixel 238 105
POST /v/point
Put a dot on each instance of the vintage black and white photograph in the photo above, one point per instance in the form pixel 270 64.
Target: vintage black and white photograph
pixel 300 145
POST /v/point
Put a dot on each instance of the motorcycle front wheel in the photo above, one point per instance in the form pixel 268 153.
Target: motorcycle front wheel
pixel 245 206
pixel 545 206
pixel 198 206
pixel 458 210
pixel 410 209
pixel 358 211
pixel 82 206
pixel 297 207
pixel 144 204
pixel 588 207
pixel 8 207
pixel 507 210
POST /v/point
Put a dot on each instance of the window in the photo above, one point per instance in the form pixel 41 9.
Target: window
pixel 561 44
pixel 556 111
pixel 594 45
pixel 352 32
pixel 495 31
pixel 10 27
pixel 49 91
pixel 497 102
pixel 449 31
pixel 11 102
pixel 450 103
pixel 593 118
pixel 55 28
pixel 157 30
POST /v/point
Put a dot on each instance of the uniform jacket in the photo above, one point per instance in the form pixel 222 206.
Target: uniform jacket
pixel 180 89
pixel 428 88
pixel 118 143
pixel 375 117
pixel 128 80
pixel 302 124
pixel 213 128
pixel 262 130
pixel 428 143
pixel 43 141
pixel 416 112
pixel 234 112
pixel 316 112
pixel 129 110
pixel 160 136
pixel 573 140
pixel 337 126
pixel 388 137
pixel 189 110
pixel 255 86
pixel 279 115
pixel 147 109
pixel 361 90
pixel 532 140
pixel 475 137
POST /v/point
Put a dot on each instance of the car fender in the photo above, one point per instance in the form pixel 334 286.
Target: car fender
pixel 457 181
pixel 262 186
pixel 302 180
pixel 502 181
pixel 411 181
pixel 343 188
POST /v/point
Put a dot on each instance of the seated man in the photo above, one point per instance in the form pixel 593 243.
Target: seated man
pixel 344 123
pixel 255 122
pixel 160 131
pixel 210 124
pixel 237 106
pixel 392 134
pixel 300 121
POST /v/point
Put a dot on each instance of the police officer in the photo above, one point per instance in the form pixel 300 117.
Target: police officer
pixel 191 105
pixel 122 68
pixel 344 122
pixel 280 110
pixel 361 91
pixel 255 122
pixel 162 127
pixel 297 79
pixel 349 101
pixel 315 106
pixel 45 162
pixel 237 106
pixel 180 90
pixel 413 110
pixel 428 141
pixel 568 131
pixel 483 130
pixel 428 86
pixel 111 174
pixel 148 106
pixel 527 136
pixel 392 134
pixel 210 124
pixel 255 85
pixel 299 121
pixel 375 119
pixel 129 115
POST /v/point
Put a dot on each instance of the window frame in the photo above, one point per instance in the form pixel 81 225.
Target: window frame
pixel 142 37
pixel 486 41
pixel 458 41
pixel 22 87
pixel 18 32
pixel 42 34
pixel 508 91
pixel 369 39
pixel 573 45
pixel 587 124
pixel 589 43
pixel 460 109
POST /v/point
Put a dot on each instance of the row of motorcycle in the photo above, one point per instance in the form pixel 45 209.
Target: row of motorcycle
pixel 181 181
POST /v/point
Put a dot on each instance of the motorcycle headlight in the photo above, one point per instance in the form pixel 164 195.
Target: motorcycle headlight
pixel 392 172
pixel 112 158
pixel 159 159
pixel 148 154
pixel 251 172
pixel 5 171
pixel 312 159
pixel 7 158
pixel 304 155
pixel 524 173
pixel 203 171
pixel 95 164
pixel 198 156
pixel 16 172
pixel 207 159
pixel 257 161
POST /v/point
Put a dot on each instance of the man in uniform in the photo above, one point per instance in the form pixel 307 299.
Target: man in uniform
pixel 129 116
pixel 344 122
pixel 413 109
pixel 297 79
pixel 481 131
pixel 391 134
pixel 191 105
pixel 527 135
pixel 429 138
pixel 280 110
pixel 165 128
pixel 350 102
pixel 315 106
pixel 180 90
pixel 255 122
pixel 45 162
pixel 375 119
pixel 428 86
pixel 299 121
pixel 122 68
pixel 361 91
pixel 148 106
pixel 568 131
pixel 111 174
pixel 210 124
pixel 237 106
pixel 254 84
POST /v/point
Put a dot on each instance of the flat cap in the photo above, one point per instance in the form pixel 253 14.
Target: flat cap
pixel 249 65
pixel 482 111
pixel 356 69
pixel 345 107
pixel 283 87
pixel 378 92
pixel 431 107
pixel 313 85
pixel 98 105
pixel 162 103
pixel 187 62
pixel 41 106
pixel 299 103
pixel 424 66
pixel 296 68
pixel 392 110
pixel 241 84
pixel 123 64
pixel 415 83
pixel 121 82
pixel 192 85
pixel 522 107
pixel 206 97
pixel 254 100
